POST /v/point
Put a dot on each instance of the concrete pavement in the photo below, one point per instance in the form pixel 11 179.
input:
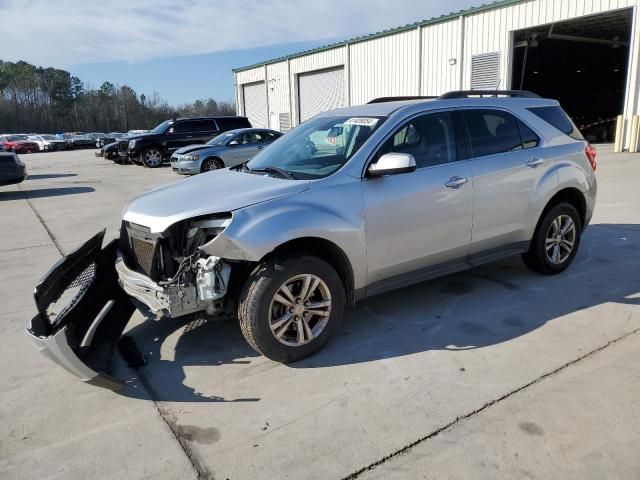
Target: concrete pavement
pixel 497 352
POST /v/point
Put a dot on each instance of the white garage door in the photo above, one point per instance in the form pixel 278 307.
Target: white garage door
pixel 255 104
pixel 320 91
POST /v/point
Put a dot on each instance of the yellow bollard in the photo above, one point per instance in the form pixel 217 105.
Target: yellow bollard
pixel 635 123
pixel 617 146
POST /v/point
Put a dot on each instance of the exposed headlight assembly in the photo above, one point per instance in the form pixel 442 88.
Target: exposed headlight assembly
pixel 211 227
pixel 132 143
pixel 191 158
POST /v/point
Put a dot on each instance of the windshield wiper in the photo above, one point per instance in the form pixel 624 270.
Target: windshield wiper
pixel 279 171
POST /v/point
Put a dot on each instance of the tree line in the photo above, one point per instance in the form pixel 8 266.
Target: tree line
pixel 50 100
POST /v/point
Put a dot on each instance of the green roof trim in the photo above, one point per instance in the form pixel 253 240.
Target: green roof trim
pixel 384 33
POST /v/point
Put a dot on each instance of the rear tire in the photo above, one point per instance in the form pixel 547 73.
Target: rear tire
pixel 210 164
pixel 556 240
pixel 151 157
pixel 292 328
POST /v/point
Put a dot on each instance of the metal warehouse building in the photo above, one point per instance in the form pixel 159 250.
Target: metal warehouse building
pixel 582 52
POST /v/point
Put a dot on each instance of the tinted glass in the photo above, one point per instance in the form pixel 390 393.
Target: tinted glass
pixel 492 132
pixel 184 126
pixel 269 136
pixel 429 138
pixel 250 138
pixel 231 123
pixel 556 117
pixel 530 138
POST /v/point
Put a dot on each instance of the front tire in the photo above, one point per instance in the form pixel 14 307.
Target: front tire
pixel 289 309
pixel 556 241
pixel 210 164
pixel 151 157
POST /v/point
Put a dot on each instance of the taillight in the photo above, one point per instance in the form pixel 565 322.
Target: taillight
pixel 590 152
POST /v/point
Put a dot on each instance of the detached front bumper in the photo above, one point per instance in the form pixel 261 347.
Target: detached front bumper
pixel 82 312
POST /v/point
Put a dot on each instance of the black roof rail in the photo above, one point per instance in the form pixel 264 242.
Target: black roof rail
pixel 398 99
pixel 489 93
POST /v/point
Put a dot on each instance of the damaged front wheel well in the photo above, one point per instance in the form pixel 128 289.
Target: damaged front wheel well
pixel 324 249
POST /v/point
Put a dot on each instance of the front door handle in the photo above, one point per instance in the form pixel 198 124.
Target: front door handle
pixel 534 162
pixel 260 147
pixel 456 182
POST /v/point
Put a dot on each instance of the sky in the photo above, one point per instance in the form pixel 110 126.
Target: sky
pixel 185 49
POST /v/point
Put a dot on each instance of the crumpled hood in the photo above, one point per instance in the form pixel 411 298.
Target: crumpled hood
pixel 195 148
pixel 212 192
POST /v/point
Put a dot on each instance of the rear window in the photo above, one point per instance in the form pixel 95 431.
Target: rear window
pixel 556 117
pixel 232 123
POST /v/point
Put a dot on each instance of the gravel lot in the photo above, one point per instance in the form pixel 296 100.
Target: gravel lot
pixel 496 372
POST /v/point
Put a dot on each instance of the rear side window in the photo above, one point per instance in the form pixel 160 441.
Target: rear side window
pixel 492 132
pixel 556 117
pixel 530 138
pixel 232 123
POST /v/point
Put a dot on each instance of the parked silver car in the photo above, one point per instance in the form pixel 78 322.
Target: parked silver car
pixel 226 150
pixel 351 203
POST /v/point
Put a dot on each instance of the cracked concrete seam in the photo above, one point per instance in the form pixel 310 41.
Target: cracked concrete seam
pixel 459 419
pixel 42 222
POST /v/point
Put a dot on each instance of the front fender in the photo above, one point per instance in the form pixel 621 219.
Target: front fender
pixel 334 214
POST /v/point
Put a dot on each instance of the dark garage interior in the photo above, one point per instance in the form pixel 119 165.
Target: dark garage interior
pixel 582 63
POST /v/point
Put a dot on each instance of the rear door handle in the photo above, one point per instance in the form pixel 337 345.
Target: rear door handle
pixel 456 182
pixel 260 147
pixel 534 162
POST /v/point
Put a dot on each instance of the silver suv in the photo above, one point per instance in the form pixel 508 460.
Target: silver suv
pixel 351 203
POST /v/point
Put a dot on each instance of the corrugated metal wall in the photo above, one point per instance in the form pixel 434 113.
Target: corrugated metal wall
pixel 386 66
pixel 432 59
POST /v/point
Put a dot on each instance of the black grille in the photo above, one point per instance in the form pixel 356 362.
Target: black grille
pixel 123 145
pixel 144 254
pixel 72 293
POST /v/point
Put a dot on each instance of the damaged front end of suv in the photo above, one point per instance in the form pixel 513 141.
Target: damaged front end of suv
pixel 86 300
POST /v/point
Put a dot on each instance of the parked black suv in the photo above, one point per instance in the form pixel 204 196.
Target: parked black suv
pixel 153 148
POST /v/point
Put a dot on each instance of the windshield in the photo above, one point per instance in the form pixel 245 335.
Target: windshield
pixel 220 139
pixel 318 147
pixel 48 137
pixel 160 129
pixel 17 138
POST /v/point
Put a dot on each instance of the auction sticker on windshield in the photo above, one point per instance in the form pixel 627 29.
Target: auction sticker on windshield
pixel 362 121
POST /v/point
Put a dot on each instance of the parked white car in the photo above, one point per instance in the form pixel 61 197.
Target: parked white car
pixel 43 141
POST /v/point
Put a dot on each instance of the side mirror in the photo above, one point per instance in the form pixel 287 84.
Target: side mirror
pixel 234 142
pixel 393 164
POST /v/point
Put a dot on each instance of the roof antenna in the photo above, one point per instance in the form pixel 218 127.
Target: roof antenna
pixel 498 87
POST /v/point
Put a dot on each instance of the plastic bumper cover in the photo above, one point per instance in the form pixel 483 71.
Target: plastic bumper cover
pixel 80 334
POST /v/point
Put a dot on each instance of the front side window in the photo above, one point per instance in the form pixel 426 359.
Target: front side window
pixel 187 126
pixel 250 138
pixel 429 138
pixel 492 132
pixel 318 147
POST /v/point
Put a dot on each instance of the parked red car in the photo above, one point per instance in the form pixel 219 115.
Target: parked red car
pixel 18 144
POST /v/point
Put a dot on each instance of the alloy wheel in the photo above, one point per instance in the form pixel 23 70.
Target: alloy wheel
pixel 560 239
pixel 153 158
pixel 300 310
pixel 212 164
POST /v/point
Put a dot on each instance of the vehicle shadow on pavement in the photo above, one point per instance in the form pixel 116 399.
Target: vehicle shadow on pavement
pixel 44 193
pixel 200 343
pixel 483 307
pixel 44 176
pixel 488 305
